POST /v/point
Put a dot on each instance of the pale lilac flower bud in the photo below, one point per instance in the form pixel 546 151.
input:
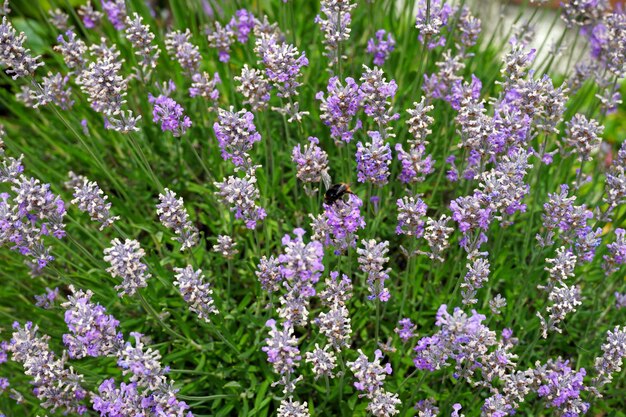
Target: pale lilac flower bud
pixel 58 19
pixel 336 291
pixel 620 300
pixel 254 87
pixel 432 18
pixel 269 274
pixel 142 364
pixel 437 235
pixel 564 301
pixel 73 50
pixel 497 303
pixel 290 408
pixel 125 260
pixel 90 199
pixel 561 268
pixel 372 258
pixel 613 354
pixel 477 275
pixel 17 59
pixel 236 134
pixel 174 216
pixel 312 164
pixel 420 122
pixel 90 16
pixel 102 81
pixel 336 326
pixel 142 39
pixel 411 211
pixel 241 195
pixel 226 246
pixel 415 163
pixel 221 38
pixel 370 376
pixel 180 48
pixel 196 292
pixel 322 361
pixel 283 64
pixel 206 87
pixel 54 89
pixel 336 27
pixel 583 135
pixel 384 404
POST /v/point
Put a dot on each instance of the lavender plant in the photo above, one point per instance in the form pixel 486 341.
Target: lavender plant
pixel 300 208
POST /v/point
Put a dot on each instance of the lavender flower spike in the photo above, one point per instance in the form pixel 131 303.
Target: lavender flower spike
pixel 13 55
pixel 173 215
pixel 196 292
pixel 125 260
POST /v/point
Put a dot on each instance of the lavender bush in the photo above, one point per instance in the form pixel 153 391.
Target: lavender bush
pixel 167 248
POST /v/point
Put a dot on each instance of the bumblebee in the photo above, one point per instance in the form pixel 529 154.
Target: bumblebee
pixel 336 191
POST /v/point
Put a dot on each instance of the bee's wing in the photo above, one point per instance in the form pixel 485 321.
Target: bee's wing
pixel 326 179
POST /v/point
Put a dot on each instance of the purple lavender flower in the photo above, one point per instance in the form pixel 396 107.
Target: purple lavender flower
pixel 242 24
pixel 170 114
pixel 241 195
pixel 477 275
pixel 437 234
pixel 380 47
pixel 583 135
pixel 301 263
pixel 90 16
pixel 405 329
pixel 288 407
pixel 415 164
pixel 221 38
pixel 617 252
pixel 339 108
pixel 47 299
pixel 564 300
pixel 377 94
pixel 561 387
pixel 92 332
pixel 620 300
pixel 55 90
pixel 373 160
pixel 283 353
pixel 336 291
pixel 342 220
pixel 432 17
pixel 236 133
pixel 283 64
pixel 206 87
pixel 116 12
pixel 57 387
pixel 125 260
